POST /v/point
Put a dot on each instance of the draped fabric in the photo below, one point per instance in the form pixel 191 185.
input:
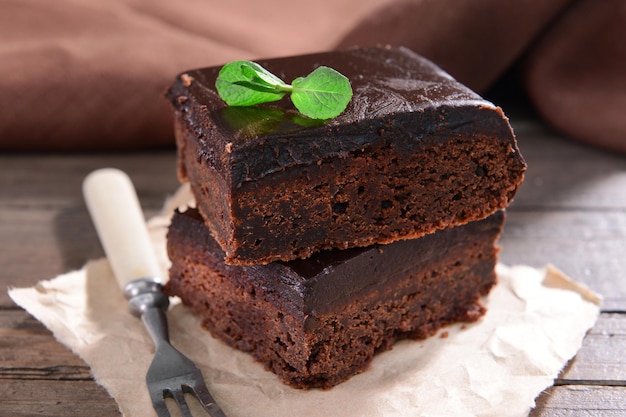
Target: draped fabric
pixel 90 75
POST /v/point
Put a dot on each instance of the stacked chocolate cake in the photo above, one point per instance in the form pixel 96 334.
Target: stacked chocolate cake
pixel 317 244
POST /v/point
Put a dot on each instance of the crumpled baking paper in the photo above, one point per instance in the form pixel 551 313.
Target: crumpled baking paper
pixel 536 321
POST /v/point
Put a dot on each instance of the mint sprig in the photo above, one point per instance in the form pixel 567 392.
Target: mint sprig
pixel 323 94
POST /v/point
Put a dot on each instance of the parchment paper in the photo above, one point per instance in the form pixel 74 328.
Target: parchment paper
pixel 535 323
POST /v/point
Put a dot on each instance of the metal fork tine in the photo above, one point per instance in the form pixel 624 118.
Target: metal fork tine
pixel 179 397
pixel 158 402
pixel 205 398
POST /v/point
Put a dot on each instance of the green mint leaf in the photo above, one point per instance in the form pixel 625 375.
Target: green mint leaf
pixel 245 83
pixel 323 94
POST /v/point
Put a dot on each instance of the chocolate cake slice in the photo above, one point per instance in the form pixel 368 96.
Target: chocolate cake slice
pixel 414 152
pixel 315 322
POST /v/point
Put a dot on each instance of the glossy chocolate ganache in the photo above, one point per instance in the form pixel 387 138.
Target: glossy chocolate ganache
pixel 388 85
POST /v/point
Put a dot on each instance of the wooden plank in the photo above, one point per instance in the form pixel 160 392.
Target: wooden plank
pixel 580 400
pixel 45 229
pixel 565 174
pixel 588 246
pixel 45 181
pixel 41 243
pixel 45 358
pixel 41 377
pixel 602 357
pixel 55 398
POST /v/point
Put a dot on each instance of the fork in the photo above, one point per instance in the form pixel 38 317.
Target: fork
pixel 114 208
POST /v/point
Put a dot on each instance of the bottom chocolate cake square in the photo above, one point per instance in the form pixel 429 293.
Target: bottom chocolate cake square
pixel 318 321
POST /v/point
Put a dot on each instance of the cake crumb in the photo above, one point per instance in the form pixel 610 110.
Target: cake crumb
pixel 229 147
pixel 444 335
pixel 186 79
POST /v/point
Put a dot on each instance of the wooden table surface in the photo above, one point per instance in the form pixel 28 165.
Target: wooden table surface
pixel 571 212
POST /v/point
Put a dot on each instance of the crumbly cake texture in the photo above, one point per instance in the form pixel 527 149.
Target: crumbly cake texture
pixel 316 322
pixel 414 152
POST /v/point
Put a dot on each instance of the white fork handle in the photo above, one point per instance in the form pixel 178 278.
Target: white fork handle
pixel 114 207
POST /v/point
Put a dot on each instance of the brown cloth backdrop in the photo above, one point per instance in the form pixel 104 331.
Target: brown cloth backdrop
pixel 88 74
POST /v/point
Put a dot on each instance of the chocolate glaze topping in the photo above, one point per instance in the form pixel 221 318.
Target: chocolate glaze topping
pixel 329 279
pixel 343 274
pixel 394 90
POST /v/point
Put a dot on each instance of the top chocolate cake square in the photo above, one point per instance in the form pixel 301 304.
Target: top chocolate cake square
pixel 414 152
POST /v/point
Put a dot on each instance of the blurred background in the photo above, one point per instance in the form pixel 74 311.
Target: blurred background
pixel 85 74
